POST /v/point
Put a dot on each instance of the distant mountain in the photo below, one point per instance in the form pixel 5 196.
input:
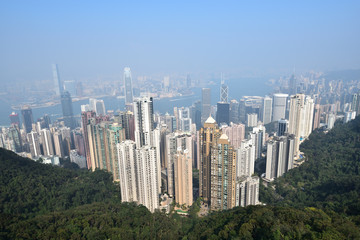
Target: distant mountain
pixel 318 200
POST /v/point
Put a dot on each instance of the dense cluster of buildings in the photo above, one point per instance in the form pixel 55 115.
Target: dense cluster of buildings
pixel 153 157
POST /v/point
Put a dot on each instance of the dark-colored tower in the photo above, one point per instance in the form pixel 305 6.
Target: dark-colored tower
pixel 67 109
pixel 223 113
pixel 27 118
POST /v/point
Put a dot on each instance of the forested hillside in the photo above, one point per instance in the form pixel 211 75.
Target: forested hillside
pixel 329 179
pixel 318 200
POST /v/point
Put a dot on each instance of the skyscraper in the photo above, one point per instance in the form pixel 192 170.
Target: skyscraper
pixel 174 142
pixel 266 113
pixel 128 86
pixel 148 182
pixel 245 165
pixel 317 115
pixel 300 118
pixel 223 113
pixel 127 167
pixel 67 110
pixel 252 120
pixel 33 139
pixel 58 86
pixel 196 114
pixel 47 142
pixel 183 177
pixel 258 139
pixel 234 111
pixel 70 86
pixel 208 136
pixel 14 119
pixel 280 156
pixel 103 139
pixel 236 134
pixel 279 106
pixel 223 175
pixel 27 118
pixel 223 92
pixel 247 191
pixel 144 121
pixel 282 127
pixel 85 117
pixel 206 104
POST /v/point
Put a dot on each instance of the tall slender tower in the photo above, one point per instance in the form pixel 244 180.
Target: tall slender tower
pixel 223 175
pixel 206 104
pixel 144 121
pixel 266 110
pixel 300 118
pixel 223 92
pixel 27 118
pixel 58 87
pixel 67 109
pixel 208 136
pixel 128 86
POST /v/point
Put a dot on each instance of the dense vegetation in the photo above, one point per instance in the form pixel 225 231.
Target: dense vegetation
pixel 318 200
pixel 329 179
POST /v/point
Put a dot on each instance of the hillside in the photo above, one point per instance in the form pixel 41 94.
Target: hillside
pixel 329 179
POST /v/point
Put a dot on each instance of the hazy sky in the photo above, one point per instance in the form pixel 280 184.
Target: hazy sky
pixel 99 38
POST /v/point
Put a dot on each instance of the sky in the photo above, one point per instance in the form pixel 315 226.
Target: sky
pixel 92 39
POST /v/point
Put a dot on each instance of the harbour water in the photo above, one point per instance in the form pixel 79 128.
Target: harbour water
pixel 237 89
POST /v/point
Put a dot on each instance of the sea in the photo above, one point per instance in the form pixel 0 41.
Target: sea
pixel 237 89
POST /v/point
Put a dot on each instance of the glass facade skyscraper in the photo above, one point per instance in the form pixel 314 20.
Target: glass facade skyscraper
pixel 128 85
pixel 67 109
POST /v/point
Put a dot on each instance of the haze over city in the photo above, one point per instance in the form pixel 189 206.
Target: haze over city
pixel 92 40
pixel 205 120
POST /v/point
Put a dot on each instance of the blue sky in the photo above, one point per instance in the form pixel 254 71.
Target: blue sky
pixel 99 38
